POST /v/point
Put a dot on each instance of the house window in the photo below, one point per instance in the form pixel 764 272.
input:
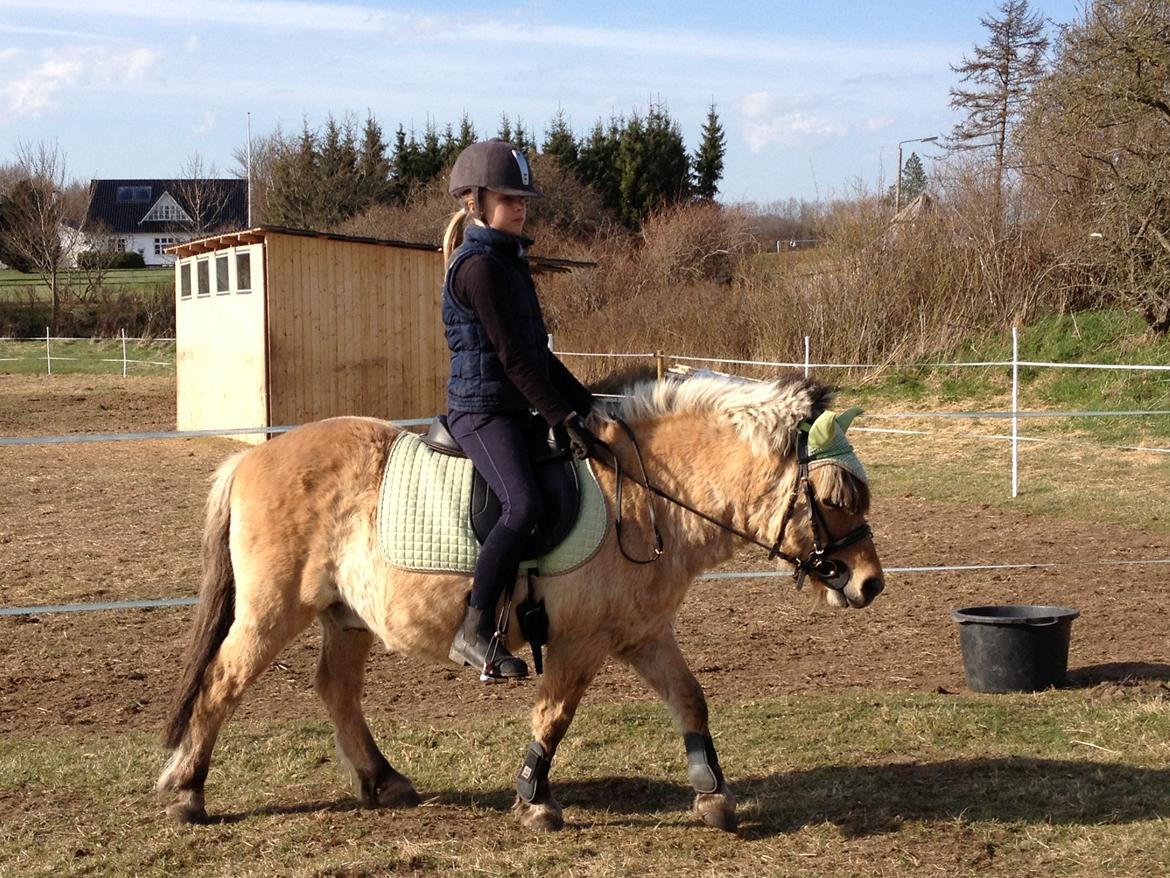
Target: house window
pixel 127 194
pixel 243 272
pixel 161 244
pixel 185 280
pixel 167 210
pixel 203 287
pixel 222 284
pixel 118 245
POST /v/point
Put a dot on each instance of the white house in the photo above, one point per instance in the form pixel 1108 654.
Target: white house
pixel 148 216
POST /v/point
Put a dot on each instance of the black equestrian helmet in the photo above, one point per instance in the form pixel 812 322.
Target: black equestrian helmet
pixel 496 165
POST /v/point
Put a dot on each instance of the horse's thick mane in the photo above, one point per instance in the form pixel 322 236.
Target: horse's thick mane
pixel 765 413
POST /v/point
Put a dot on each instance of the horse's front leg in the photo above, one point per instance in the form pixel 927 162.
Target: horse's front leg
pixel 661 665
pixel 569 668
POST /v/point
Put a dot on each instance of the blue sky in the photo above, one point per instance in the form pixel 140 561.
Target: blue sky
pixel 813 96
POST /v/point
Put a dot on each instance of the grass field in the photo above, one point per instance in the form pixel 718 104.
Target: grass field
pixel 1061 783
pixel 17 284
pixel 87 357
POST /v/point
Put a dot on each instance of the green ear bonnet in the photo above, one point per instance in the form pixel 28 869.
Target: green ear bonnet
pixel 827 445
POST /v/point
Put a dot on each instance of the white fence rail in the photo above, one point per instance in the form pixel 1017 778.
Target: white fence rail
pixel 661 359
pixel 121 339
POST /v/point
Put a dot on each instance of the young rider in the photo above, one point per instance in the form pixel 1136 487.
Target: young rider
pixel 501 367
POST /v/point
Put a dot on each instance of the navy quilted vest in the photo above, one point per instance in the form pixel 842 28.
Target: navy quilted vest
pixel 478 382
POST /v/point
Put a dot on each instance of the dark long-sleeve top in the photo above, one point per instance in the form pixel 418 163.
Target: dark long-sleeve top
pixel 482 286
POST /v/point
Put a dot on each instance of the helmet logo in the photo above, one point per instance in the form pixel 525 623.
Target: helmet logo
pixel 522 163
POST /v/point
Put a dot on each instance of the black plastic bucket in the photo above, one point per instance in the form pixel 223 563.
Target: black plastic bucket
pixel 1014 648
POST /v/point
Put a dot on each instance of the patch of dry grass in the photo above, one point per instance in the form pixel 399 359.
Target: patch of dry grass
pixel 1060 783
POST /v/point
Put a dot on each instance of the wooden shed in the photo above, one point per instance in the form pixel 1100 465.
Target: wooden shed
pixel 276 326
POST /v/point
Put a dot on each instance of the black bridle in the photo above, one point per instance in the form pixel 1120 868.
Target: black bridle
pixel 833 572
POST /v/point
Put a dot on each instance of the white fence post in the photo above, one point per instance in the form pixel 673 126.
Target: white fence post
pixel 48 353
pixel 807 357
pixel 124 351
pixel 1015 409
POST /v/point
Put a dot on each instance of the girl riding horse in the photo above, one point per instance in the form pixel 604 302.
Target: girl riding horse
pixel 501 367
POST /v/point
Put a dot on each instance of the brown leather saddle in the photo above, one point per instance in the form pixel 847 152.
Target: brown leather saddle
pixel 556 476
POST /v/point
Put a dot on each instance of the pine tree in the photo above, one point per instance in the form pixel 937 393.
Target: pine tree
pixel 295 183
pixel 597 162
pixel 559 143
pixel 708 162
pixel 373 167
pixel 404 165
pixel 913 178
pixel 337 174
pixel 467 133
pixel 999 78
pixel 431 157
pixel 505 132
pixel 653 165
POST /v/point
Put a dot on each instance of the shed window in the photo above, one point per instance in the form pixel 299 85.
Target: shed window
pixel 185 280
pixel 203 287
pixel 243 272
pixel 223 286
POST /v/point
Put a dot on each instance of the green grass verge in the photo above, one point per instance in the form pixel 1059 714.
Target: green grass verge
pixel 1060 783
pixel 87 357
pixel 16 285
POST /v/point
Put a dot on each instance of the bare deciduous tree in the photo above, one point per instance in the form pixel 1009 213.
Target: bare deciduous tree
pixel 996 82
pixel 1097 143
pixel 202 195
pixel 43 225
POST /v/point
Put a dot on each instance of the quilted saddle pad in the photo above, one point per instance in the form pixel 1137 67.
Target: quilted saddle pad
pixel 424 522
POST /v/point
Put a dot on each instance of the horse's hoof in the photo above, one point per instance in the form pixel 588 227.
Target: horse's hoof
pixel 717 809
pixel 539 816
pixel 395 792
pixel 188 809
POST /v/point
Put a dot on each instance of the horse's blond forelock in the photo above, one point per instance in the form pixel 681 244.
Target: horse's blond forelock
pixel 764 413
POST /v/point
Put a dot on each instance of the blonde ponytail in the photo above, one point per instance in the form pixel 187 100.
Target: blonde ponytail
pixel 453 236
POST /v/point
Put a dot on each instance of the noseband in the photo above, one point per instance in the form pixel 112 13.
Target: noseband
pixel 833 572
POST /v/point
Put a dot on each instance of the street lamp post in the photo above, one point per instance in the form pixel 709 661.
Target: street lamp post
pixel 898 180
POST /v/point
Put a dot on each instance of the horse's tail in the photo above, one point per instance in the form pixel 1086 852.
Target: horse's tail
pixel 217 601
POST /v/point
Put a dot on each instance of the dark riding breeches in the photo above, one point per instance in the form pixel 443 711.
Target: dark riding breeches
pixel 496 444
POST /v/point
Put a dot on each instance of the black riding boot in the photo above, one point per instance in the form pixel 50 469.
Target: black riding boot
pixel 475 644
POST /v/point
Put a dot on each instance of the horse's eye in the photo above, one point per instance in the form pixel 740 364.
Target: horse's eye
pixel 829 505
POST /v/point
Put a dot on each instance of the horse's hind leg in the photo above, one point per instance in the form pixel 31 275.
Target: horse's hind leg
pixel 340 675
pixel 247 651
pixel 661 665
pixel 569 669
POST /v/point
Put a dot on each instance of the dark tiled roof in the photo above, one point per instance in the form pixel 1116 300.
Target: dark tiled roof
pixel 226 205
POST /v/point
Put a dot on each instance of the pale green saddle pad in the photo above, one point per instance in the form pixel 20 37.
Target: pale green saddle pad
pixel 423 520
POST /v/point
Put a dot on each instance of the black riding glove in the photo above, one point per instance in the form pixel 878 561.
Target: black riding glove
pixel 582 442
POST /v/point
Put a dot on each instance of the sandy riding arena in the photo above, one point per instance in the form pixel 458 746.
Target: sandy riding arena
pixel 849 737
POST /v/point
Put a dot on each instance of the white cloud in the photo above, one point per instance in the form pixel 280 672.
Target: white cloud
pixel 371 18
pixel 74 68
pixel 191 44
pixel 8 54
pixel 766 124
pixel 206 123
pixel 878 123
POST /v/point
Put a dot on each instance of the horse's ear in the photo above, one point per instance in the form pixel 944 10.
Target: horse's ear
pixel 846 417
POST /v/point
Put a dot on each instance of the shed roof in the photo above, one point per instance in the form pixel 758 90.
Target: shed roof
pixel 539 264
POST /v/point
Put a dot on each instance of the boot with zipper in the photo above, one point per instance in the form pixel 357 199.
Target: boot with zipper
pixel 476 645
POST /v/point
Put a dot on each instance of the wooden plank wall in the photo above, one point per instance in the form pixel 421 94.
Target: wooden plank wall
pixel 354 329
pixel 220 349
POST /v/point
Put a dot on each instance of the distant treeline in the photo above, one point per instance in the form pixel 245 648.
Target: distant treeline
pixel 637 164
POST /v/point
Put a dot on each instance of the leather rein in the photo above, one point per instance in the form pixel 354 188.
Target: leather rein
pixel 818 562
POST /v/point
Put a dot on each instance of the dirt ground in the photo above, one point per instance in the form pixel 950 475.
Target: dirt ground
pixel 111 521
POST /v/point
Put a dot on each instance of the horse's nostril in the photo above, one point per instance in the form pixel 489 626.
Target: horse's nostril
pixel 872 587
